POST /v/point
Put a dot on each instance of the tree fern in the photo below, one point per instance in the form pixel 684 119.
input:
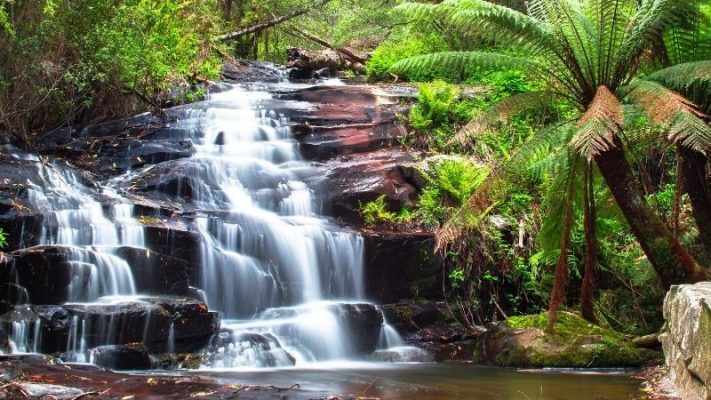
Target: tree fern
pixel 599 125
pixel 463 61
pixel 680 116
pixel 503 111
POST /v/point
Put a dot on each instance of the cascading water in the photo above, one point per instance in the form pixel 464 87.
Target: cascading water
pixel 288 283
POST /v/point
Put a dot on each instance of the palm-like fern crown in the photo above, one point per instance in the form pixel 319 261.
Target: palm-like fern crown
pixel 589 52
pixel 575 45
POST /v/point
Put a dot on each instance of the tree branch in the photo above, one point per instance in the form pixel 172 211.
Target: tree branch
pixel 268 24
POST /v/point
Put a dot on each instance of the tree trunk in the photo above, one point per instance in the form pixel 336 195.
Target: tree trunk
pixel 589 286
pixel 671 261
pixel 560 281
pixel 693 173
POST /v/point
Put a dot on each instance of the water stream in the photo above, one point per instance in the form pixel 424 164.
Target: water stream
pixel 285 280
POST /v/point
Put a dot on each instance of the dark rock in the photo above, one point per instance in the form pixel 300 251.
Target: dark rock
pixel 253 71
pixel 12 294
pixel 351 181
pixel 432 326
pixel 132 356
pixel 401 266
pixel 146 320
pixel 44 272
pixel 363 323
pixel 322 73
pixel 57 274
pixel 180 242
pixel 156 273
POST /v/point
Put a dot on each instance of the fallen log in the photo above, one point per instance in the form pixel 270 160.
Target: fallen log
pixel 344 52
pixel 272 22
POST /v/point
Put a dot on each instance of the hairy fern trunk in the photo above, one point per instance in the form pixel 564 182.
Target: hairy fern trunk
pixel 693 173
pixel 671 262
pixel 590 278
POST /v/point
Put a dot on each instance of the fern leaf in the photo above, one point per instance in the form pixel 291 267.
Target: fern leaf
pixel 682 119
pixel 599 125
pixel 503 111
pixel 462 61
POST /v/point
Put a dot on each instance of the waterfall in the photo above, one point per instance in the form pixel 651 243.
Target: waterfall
pixel 287 282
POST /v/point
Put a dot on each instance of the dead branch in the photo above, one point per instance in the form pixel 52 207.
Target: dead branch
pixel 345 53
pixel 268 24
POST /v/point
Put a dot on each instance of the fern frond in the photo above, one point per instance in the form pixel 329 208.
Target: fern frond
pixel 503 111
pixel 425 11
pixel 463 61
pixel 684 75
pixel 599 125
pixel 654 17
pixel 540 154
pixel 682 119
pixel 469 215
pixel 505 26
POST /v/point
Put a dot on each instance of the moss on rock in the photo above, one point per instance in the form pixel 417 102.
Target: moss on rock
pixel 521 342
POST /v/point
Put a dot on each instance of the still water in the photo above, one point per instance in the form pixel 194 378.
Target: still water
pixel 425 381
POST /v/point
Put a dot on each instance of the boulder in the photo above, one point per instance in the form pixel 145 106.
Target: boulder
pixel 351 181
pixel 433 327
pixel 521 342
pixel 401 266
pixel 686 339
pixel 132 356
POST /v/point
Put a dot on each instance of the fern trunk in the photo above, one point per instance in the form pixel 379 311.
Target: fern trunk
pixel 562 275
pixel 669 259
pixel 590 278
pixel 693 173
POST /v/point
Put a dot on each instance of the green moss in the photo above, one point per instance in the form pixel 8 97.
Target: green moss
pixel 568 328
pixel 576 343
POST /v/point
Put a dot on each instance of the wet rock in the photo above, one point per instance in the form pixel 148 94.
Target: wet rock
pixel 132 356
pixel 44 272
pixel 57 274
pixel 156 273
pixel 180 324
pixel 253 71
pixel 401 266
pixel 351 181
pixel 42 390
pixel 686 339
pixel 363 323
pixel 230 349
pixel 432 326
pixel 343 120
pixel 178 241
pixel 12 294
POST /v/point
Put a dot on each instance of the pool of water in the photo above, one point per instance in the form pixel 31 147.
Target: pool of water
pixel 441 381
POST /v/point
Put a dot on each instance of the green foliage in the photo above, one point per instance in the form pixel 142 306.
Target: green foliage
pixel 403 46
pixel 71 61
pixel 375 212
pixel 433 107
pixel 451 183
pixel 3 238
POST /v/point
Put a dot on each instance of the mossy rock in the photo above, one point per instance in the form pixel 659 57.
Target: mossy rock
pixel 522 342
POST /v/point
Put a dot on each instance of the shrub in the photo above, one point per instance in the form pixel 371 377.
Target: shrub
pixel 451 183
pixel 375 212
pixel 3 238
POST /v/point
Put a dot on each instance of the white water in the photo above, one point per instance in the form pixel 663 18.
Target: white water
pixel 273 268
